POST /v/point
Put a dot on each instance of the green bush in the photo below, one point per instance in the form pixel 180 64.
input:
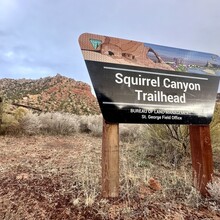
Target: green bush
pixel 215 128
pixel 10 119
pixel 169 143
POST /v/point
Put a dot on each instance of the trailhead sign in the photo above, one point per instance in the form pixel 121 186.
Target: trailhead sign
pixel 144 83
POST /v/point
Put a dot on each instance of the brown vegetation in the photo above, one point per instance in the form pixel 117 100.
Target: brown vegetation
pixel 45 175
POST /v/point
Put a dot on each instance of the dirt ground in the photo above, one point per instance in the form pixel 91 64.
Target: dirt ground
pixel 58 177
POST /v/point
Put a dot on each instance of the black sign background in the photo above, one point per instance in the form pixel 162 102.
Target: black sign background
pixel 119 103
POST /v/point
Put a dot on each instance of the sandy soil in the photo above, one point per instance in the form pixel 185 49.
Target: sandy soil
pixel 49 177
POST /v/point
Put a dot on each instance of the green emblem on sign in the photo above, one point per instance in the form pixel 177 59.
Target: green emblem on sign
pixel 95 43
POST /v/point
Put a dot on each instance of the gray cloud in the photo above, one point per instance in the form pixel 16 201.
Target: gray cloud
pixel 41 36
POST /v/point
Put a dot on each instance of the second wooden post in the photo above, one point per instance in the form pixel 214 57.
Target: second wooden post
pixel 201 153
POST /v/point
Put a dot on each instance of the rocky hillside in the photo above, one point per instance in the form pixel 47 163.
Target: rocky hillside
pixel 50 94
pixel 218 97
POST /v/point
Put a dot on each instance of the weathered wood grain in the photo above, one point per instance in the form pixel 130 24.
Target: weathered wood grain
pixel 110 160
pixel 201 153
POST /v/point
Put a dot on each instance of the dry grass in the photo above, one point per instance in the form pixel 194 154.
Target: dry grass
pixel 59 177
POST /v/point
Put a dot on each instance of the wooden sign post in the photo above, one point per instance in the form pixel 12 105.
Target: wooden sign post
pixel 201 153
pixel 143 83
pixel 110 160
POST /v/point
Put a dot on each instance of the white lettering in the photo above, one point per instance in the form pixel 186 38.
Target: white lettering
pixel 160 96
pixel 139 94
pixel 137 80
pixel 118 79
pixel 167 83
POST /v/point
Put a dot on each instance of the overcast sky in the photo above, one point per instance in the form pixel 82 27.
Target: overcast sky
pixel 39 38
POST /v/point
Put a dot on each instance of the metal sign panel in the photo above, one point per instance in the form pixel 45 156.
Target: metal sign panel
pixel 144 83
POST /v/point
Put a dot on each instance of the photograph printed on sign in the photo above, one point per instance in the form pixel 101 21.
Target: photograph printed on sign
pixel 114 50
pixel 145 83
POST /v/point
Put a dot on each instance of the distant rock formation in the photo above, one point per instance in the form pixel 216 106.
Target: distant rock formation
pixel 120 51
pixel 209 65
pixel 212 65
